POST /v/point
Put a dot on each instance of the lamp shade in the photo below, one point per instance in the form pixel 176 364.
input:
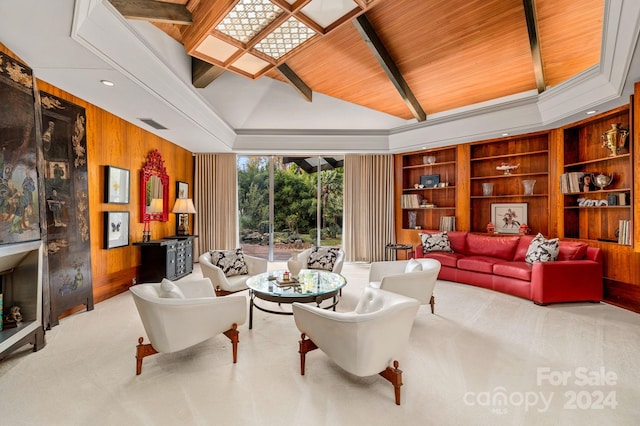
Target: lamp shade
pixel 183 205
pixel 156 206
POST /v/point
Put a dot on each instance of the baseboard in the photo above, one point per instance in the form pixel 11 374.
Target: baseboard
pixel 621 294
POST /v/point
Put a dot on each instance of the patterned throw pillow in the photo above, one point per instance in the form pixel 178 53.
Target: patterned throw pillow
pixel 322 258
pixel 435 242
pixel 542 250
pixel 230 261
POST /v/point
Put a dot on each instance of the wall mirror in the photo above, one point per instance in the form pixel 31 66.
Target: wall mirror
pixel 154 189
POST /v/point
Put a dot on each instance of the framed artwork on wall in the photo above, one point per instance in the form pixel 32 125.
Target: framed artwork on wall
pixel 116 185
pixel 507 217
pixel 116 229
pixel 182 189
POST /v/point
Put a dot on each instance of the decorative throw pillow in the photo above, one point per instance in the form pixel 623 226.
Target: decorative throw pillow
pixel 323 258
pixel 435 242
pixel 169 290
pixel 413 266
pixel 230 261
pixel 542 250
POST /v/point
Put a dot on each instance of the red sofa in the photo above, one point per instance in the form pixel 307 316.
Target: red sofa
pixel 497 263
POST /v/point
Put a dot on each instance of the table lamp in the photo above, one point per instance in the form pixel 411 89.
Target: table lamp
pixel 183 207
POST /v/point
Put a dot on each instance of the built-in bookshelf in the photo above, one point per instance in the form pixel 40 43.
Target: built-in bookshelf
pixel 506 165
pixel 592 212
pixel 428 188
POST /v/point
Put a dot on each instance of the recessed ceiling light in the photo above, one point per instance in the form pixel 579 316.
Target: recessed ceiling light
pixel 593 111
pixel 505 134
pixel 424 147
pixel 107 83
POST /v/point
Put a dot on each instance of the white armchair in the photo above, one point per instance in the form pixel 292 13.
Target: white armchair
pixel 190 315
pixel 224 285
pixel 299 261
pixel 391 276
pixel 365 341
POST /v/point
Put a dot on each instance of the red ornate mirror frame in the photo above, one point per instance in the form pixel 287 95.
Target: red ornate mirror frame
pixel 154 184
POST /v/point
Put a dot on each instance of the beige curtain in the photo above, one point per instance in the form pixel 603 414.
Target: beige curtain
pixel 216 201
pixel 368 207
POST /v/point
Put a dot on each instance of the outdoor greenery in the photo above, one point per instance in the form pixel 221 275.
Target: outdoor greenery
pixel 296 199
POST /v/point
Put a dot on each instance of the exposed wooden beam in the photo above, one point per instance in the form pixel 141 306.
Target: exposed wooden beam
pixel 151 10
pixel 203 73
pixel 296 81
pixel 370 36
pixel 534 42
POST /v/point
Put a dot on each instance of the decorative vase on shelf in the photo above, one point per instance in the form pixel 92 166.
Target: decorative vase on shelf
pixel 528 186
pixel 429 159
pixel 487 189
pixel 412 219
pixel 490 228
pixel 615 139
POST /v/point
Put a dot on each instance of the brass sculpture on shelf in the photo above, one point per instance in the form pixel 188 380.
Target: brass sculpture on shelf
pixel 615 139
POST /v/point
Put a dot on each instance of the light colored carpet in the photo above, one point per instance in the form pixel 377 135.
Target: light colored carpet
pixel 477 361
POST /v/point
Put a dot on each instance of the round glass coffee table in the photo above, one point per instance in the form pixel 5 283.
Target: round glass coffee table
pixel 312 286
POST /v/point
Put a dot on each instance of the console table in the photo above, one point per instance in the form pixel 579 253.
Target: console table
pixel 170 258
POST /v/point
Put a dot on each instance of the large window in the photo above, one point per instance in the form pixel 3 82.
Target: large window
pixel 287 204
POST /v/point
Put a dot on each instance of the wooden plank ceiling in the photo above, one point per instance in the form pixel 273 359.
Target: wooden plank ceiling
pixel 451 53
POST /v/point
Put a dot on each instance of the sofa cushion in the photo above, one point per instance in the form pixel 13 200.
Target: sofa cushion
pixel 322 258
pixel 478 263
pixel 413 266
pixel 230 261
pixel 435 242
pixel 523 246
pixel 518 270
pixel 168 290
pixel 458 241
pixel 542 250
pixel 500 247
pixel 572 250
pixel 445 259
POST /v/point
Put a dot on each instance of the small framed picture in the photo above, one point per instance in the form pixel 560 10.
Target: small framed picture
pixel 507 217
pixel 116 185
pixel 430 181
pixel 116 229
pixel 182 189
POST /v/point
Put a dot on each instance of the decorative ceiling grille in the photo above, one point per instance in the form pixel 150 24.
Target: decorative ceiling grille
pixel 252 37
pixel 285 38
pixel 248 18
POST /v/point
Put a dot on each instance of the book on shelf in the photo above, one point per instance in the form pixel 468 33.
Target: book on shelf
pixel 571 182
pixel 624 233
pixel 410 201
pixel 447 223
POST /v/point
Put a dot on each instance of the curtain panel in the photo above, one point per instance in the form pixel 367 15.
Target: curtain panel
pixel 216 201
pixel 369 222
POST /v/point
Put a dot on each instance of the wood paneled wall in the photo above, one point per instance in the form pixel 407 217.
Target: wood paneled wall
pixel 112 141
pixel 115 142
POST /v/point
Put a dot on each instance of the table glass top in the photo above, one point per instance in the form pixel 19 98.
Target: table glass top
pixel 310 282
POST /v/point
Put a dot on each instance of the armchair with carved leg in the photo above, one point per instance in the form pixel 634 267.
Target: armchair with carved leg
pixel 414 278
pixel 178 315
pixel 363 342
